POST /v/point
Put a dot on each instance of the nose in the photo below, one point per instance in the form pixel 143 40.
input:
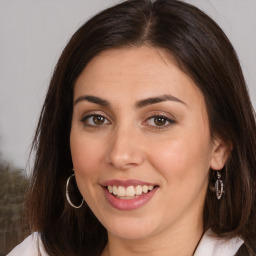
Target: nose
pixel 125 149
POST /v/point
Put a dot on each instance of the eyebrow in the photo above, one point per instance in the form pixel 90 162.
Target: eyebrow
pixel 92 99
pixel 154 100
pixel 139 104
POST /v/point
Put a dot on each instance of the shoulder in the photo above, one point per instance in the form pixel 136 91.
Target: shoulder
pixel 213 246
pixel 31 246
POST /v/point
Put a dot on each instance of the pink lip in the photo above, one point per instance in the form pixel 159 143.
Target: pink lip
pixel 127 204
pixel 126 183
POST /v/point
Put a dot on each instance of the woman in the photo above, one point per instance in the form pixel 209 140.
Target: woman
pixel 148 115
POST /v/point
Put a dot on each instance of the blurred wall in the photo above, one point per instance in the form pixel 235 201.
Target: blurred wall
pixel 33 34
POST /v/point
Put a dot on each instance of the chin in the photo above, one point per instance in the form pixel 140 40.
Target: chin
pixel 131 229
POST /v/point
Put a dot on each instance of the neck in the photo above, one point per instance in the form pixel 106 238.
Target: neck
pixel 181 240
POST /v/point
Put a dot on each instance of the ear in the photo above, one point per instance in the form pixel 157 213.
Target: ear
pixel 220 153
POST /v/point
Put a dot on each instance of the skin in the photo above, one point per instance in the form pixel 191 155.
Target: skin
pixel 128 143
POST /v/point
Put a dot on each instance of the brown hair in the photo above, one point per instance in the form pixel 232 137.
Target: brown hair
pixel 201 50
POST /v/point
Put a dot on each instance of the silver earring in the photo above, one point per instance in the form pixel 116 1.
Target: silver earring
pixel 219 186
pixel 67 194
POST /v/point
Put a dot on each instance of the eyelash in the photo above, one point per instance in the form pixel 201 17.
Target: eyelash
pixel 85 119
pixel 167 121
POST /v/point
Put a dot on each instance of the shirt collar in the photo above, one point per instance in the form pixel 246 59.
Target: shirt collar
pixel 211 245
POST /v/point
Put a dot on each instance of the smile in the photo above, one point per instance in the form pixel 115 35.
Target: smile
pixel 129 194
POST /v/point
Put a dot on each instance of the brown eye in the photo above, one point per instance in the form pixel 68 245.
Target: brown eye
pixel 160 121
pixel 94 120
pixel 98 120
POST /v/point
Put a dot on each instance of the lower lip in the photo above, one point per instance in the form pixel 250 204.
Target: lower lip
pixel 129 204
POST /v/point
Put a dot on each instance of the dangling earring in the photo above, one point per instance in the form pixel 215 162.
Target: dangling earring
pixel 67 194
pixel 219 186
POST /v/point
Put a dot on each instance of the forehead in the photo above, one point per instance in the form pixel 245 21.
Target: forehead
pixel 136 72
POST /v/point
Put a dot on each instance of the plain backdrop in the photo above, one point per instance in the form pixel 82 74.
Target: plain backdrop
pixel 34 32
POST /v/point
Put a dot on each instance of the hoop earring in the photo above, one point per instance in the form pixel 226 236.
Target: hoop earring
pixel 67 194
pixel 219 186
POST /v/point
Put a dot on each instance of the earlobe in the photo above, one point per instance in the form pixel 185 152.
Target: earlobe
pixel 220 154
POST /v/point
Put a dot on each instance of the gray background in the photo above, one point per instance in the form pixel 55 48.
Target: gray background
pixel 34 32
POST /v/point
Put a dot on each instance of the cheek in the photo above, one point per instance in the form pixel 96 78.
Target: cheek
pixel 86 157
pixel 182 156
pixel 86 154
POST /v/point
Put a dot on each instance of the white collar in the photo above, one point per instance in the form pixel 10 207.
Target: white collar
pixel 209 245
pixel 214 246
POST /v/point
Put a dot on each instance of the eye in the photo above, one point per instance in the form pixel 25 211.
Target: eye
pixel 95 120
pixel 159 121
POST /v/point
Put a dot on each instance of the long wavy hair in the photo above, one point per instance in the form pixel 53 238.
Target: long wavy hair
pixel 203 52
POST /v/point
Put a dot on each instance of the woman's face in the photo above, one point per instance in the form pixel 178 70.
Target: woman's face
pixel 140 143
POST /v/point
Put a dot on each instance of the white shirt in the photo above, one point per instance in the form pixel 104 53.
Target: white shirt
pixel 29 247
pixel 213 246
pixel 208 246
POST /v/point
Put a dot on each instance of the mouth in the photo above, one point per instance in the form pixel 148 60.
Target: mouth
pixel 129 192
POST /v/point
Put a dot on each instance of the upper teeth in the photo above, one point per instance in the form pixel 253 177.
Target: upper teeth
pixel 129 191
